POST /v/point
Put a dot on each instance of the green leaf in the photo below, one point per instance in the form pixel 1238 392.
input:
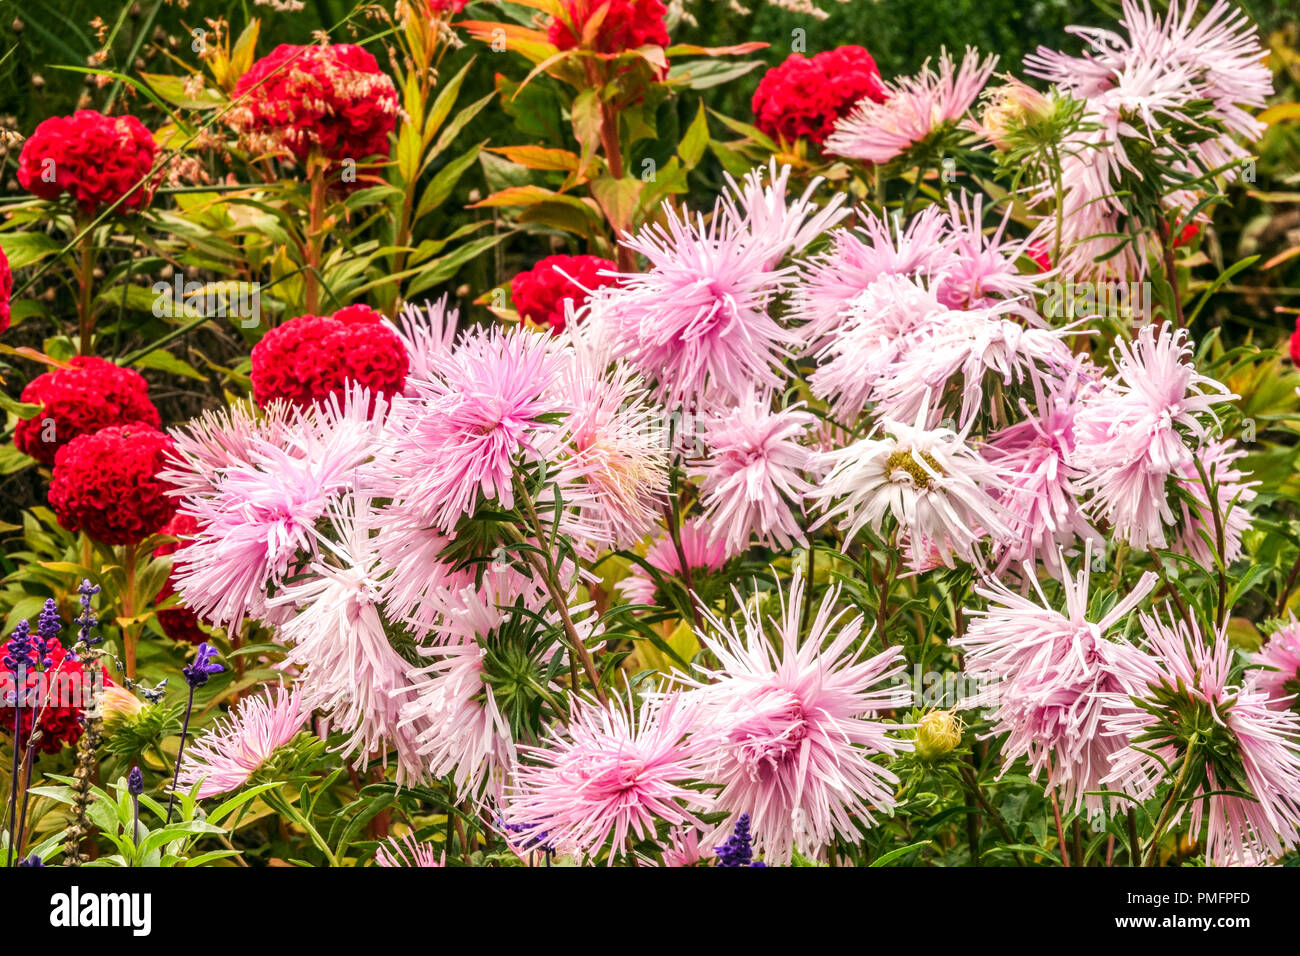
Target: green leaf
pixel 164 361
pixel 901 852
pixel 696 141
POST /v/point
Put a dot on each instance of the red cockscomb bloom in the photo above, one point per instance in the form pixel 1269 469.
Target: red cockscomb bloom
pixel 803 97
pixel 95 159
pixel 56 694
pixel 106 484
pixel 627 25
pixel 179 623
pixel 6 288
pixel 313 356
pixel 93 394
pixel 334 99
pixel 1295 345
pixel 540 292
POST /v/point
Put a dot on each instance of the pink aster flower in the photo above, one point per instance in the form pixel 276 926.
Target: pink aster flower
pixel 1053 679
pixel 610 774
pixel 753 472
pixel 878 329
pixel 1181 710
pixel 1033 457
pixel 408 851
pixel 429 335
pixel 705 551
pixel 914 107
pixel 485 404
pixel 1203 75
pixel 1233 493
pixel 928 481
pixel 795 727
pixel 339 641
pixel 611 462
pixel 984 266
pixel 1130 433
pixel 225 756
pixel 685 847
pixel 460 729
pixel 701 316
pixel 960 353
pixel 257 509
pixel 831 280
pixel 1278 667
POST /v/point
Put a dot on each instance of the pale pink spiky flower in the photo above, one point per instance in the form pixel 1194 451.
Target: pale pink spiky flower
pixel 753 472
pixel 1052 678
pixel 257 501
pixel 339 641
pixel 461 731
pixel 914 107
pixel 487 403
pixel 612 774
pixel 927 480
pixel 1033 457
pixel 877 328
pixel 795 724
pixel 960 353
pixel 1131 434
pixel 408 851
pixel 700 317
pixel 1233 494
pixel 1185 715
pixel 1164 72
pixel 611 459
pixel 705 552
pixel 1277 672
pixel 829 281
pixel 984 266
pixel 224 757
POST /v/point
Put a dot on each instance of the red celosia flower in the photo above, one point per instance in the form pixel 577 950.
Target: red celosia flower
pixel 1295 345
pixel 313 356
pixel 96 159
pixel 57 694
pixel 107 484
pixel 334 99
pixel 1037 252
pixel 1188 233
pixel 93 394
pixel 627 25
pixel 540 292
pixel 6 287
pixel 802 98
pixel 437 7
pixel 179 623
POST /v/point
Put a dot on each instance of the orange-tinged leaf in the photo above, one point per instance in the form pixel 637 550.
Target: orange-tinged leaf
pixel 539 157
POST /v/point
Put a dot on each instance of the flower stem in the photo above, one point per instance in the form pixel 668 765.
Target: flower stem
pixel 1167 811
pixel 85 290
pixel 180 752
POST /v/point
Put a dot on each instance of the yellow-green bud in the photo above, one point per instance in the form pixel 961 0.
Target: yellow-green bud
pixel 938 734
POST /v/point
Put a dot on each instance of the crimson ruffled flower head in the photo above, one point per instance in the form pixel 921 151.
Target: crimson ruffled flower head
pixel 803 97
pixel 333 99
pixel 180 623
pixel 54 687
pixel 540 292
pixel 626 25
pixel 314 356
pixel 92 394
pixel 6 289
pixel 95 159
pixel 106 484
